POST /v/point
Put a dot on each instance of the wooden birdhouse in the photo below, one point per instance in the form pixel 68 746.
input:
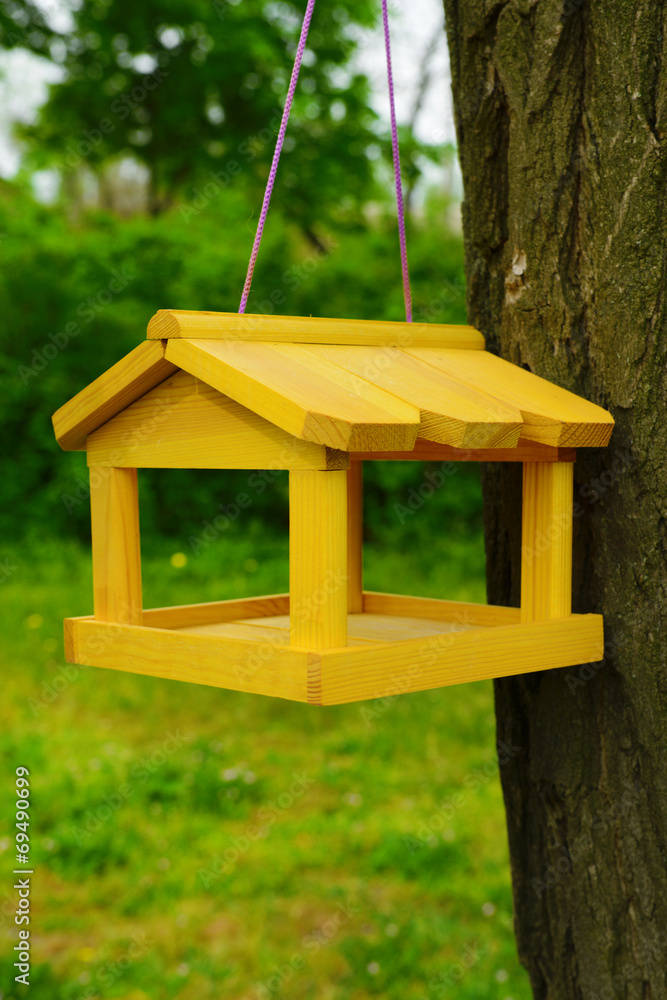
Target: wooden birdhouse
pixel 319 397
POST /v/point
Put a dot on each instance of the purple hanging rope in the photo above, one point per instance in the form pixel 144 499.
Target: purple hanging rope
pixel 276 155
pixel 279 146
pixel 407 294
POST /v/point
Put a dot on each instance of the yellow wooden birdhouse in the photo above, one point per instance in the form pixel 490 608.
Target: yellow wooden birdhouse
pixel 319 397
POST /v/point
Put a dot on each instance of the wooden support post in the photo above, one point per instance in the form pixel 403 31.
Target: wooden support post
pixel 318 559
pixel 355 537
pixel 114 508
pixel 546 544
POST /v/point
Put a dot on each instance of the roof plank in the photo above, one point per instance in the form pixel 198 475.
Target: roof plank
pixel 169 324
pixel 313 400
pixel 450 412
pixel 551 415
pixel 135 374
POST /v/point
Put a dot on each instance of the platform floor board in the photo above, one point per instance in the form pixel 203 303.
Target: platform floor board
pixel 362 628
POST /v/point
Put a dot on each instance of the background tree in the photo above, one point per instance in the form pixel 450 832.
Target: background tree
pixel 190 87
pixel 562 122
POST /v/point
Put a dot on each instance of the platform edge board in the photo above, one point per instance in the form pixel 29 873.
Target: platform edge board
pixel 170 324
pixel 374 602
pixel 456 658
pixel 459 612
pixel 70 647
pixel 211 612
pixel 337 676
pixel 233 664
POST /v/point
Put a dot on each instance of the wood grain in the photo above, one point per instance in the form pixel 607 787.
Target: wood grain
pixel 546 540
pixel 275 630
pixel 176 323
pixel 551 415
pixel 437 654
pixel 355 537
pixel 318 559
pixel 219 661
pixel 457 612
pixel 430 451
pixel 186 615
pixel 185 424
pixel 454 658
pixel 114 508
pixel 135 374
pixel 311 400
pixel 450 412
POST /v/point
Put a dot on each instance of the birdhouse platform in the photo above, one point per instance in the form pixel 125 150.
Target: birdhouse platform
pixel 319 397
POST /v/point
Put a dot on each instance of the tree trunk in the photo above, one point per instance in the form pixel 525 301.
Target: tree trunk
pixel 561 109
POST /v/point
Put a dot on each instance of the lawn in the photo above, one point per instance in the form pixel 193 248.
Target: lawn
pixel 190 843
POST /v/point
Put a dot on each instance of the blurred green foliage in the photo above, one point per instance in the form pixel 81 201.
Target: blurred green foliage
pixel 79 284
pixel 127 906
pixel 63 325
pixel 388 875
pixel 194 90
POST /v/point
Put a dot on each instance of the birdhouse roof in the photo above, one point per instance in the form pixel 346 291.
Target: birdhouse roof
pixel 353 385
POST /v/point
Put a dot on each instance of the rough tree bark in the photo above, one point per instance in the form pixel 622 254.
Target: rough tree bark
pixel 561 109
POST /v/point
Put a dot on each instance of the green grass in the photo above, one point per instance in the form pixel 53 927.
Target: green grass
pixel 182 866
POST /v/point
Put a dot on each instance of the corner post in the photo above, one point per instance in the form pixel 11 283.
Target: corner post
pixel 318 559
pixel 114 508
pixel 546 542
pixel 355 537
